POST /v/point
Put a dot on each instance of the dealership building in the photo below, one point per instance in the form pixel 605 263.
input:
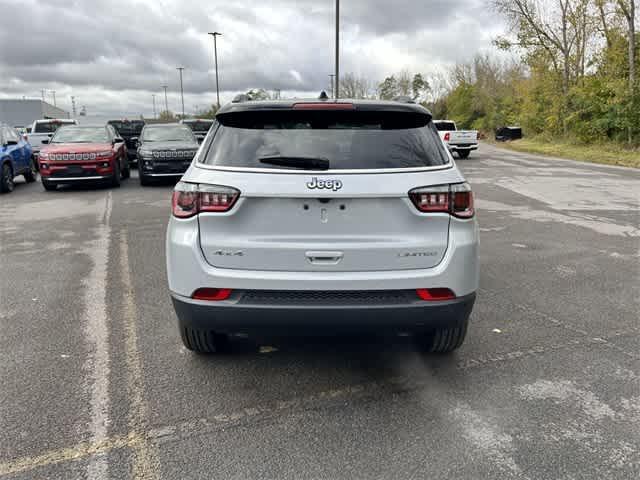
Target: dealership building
pixel 23 112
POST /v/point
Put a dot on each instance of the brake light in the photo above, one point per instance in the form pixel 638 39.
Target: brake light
pixel 434 294
pixel 323 106
pixel 447 136
pixel 212 294
pixel 189 199
pixel 455 199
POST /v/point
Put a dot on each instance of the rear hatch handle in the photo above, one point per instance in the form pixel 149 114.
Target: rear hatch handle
pixel 324 258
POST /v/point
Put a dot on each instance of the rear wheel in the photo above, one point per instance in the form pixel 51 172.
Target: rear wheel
pixel 463 153
pixel 126 173
pixel 48 186
pixel 204 341
pixel 30 175
pixel 115 181
pixel 443 340
pixel 6 178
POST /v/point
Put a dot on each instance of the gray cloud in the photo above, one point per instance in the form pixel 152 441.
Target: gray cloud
pixel 113 54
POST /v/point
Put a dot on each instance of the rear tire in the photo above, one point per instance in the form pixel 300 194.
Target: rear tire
pixel 48 186
pixel 204 341
pixel 126 173
pixel 6 178
pixel 463 153
pixel 443 340
pixel 30 175
pixel 115 181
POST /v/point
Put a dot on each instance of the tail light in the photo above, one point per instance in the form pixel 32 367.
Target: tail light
pixel 212 294
pixel 189 199
pixel 434 294
pixel 447 136
pixel 323 106
pixel 455 199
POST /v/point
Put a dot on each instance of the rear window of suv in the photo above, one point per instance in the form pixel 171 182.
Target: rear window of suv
pixel 445 126
pixel 346 139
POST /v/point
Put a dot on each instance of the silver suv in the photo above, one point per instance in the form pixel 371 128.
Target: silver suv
pixel 329 215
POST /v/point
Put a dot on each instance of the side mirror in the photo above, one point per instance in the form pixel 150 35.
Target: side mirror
pixel 118 140
pixel 45 141
pixel 11 142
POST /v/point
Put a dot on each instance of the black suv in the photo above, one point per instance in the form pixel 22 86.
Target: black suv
pixel 199 126
pixel 165 150
pixel 129 130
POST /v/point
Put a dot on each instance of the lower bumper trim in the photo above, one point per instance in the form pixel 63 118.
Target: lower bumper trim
pixel 233 317
pixel 74 179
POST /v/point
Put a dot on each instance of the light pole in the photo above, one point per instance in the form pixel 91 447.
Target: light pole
pixel 153 96
pixel 54 98
pixel 166 102
pixel 180 69
pixel 215 57
pixel 337 82
pixel 331 77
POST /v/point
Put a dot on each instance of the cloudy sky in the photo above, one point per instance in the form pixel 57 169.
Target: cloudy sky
pixel 112 55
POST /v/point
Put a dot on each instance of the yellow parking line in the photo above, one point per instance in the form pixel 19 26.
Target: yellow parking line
pixel 77 452
pixel 145 463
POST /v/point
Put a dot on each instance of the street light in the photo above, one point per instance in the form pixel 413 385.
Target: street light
pixel 337 82
pixel 153 96
pixel 166 102
pixel 215 56
pixel 180 69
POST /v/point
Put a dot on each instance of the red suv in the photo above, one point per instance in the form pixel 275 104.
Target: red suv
pixel 83 153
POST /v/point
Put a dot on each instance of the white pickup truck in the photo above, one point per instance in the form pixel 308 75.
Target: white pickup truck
pixel 459 141
pixel 43 130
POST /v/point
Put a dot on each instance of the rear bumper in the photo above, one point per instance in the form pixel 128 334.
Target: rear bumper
pixel 233 316
pixel 462 147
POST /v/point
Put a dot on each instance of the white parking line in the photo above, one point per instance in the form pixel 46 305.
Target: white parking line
pixel 96 333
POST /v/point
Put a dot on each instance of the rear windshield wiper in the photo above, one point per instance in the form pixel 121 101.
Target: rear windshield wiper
pixel 304 163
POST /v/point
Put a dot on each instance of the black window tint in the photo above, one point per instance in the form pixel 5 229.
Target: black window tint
pixel 348 140
pixel 445 126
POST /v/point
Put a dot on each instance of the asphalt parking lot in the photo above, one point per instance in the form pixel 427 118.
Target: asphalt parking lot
pixel 95 383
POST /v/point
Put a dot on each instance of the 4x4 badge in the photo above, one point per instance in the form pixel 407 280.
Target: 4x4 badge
pixel 324 184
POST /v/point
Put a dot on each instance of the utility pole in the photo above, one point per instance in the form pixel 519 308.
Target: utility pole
pixel 153 96
pixel 73 105
pixel 337 82
pixel 215 57
pixel 166 102
pixel 331 77
pixel 42 94
pixel 180 69
pixel 54 98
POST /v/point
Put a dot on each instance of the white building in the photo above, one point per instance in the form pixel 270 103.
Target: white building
pixel 23 112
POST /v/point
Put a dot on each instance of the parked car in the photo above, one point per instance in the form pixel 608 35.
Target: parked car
pixel 130 130
pixel 199 126
pixel 504 134
pixel 42 130
pixel 458 141
pixel 329 215
pixel 165 150
pixel 15 159
pixel 84 153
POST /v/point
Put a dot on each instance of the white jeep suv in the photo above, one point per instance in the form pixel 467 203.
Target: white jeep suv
pixel 326 215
